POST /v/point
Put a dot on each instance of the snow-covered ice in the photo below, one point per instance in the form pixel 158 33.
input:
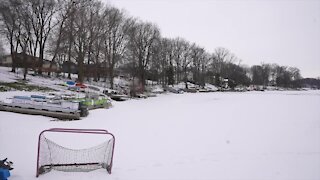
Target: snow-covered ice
pixel 251 135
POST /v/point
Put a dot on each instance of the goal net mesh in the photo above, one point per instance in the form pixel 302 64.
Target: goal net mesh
pixel 51 155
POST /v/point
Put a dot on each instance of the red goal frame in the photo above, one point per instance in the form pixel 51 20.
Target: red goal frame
pixel 80 131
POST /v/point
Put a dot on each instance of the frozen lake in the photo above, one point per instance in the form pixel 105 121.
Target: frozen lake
pixel 251 135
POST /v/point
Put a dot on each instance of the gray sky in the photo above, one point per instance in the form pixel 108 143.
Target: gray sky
pixel 270 31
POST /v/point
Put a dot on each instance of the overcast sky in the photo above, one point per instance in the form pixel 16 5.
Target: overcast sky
pixel 256 31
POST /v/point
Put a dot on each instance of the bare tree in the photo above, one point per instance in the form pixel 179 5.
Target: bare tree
pixel 58 41
pixel 9 19
pixel 178 56
pixel 42 18
pixel 273 73
pixel 257 75
pixel 169 68
pixel 205 62
pixel 25 38
pixel 220 57
pixel 81 33
pixel 2 51
pixel 70 31
pixel 186 61
pixel 197 55
pixel 95 31
pixel 161 60
pixel 116 28
pixel 142 36
pixel 295 73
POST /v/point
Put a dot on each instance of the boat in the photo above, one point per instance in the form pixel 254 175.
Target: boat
pixel 95 101
pixel 115 95
pixel 119 97
pixel 40 105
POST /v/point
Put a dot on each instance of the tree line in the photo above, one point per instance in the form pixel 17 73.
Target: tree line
pixel 89 33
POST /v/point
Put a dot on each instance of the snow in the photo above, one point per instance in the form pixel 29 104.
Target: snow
pixel 252 135
pixel 5 76
pixel 271 135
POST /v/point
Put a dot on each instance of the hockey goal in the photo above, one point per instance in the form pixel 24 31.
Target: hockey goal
pixel 58 155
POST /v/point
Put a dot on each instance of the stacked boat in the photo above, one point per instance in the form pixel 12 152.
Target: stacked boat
pixel 42 105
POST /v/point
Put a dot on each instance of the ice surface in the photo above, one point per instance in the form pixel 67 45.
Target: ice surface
pixel 272 135
pixel 253 135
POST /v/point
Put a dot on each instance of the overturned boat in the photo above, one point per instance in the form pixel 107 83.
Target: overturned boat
pixel 95 101
pixel 40 105
pixel 119 97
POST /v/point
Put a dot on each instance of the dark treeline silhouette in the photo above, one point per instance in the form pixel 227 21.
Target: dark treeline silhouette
pixel 102 41
pixel 308 83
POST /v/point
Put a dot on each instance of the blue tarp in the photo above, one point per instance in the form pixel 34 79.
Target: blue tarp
pixel 22 97
pixel 4 174
pixel 70 83
pixel 38 96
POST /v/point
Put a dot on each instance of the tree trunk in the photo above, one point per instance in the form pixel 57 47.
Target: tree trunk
pixel 41 51
pixel 13 57
pixel 80 68
pixel 25 65
pixel 111 77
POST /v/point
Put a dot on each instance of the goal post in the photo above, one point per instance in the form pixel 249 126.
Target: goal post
pixel 53 155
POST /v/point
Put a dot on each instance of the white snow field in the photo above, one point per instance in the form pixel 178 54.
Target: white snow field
pixel 202 136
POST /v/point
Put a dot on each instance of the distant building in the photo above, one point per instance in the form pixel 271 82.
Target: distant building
pixel 95 70
pixel 225 83
pixel 72 65
pixel 28 61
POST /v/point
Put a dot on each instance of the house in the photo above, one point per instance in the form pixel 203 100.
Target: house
pixel 69 65
pixel 48 66
pixel 6 61
pixel 28 61
pixel 93 70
